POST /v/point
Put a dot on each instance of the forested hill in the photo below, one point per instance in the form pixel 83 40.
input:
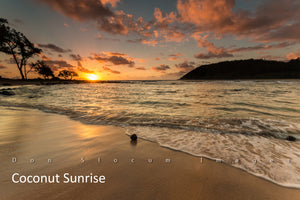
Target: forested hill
pixel 246 69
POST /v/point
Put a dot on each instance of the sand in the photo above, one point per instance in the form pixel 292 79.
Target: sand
pixel 31 134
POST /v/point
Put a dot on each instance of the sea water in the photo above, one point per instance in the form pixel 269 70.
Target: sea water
pixel 241 123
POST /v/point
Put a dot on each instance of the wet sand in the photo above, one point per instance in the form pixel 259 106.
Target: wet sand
pixel 31 134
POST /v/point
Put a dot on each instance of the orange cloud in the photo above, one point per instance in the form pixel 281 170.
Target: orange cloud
pixel 271 21
pixel 164 21
pixel 293 55
pixel 141 60
pixel 213 51
pixel 43 56
pixel 2 66
pixel 208 14
pixel 150 42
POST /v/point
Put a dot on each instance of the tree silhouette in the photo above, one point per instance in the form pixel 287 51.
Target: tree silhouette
pixel 43 69
pixel 67 74
pixel 17 45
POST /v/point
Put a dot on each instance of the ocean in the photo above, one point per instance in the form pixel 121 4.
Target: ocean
pixel 243 123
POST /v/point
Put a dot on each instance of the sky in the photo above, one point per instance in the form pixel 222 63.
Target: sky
pixel 151 40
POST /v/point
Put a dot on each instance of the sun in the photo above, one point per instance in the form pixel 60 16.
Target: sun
pixel 92 77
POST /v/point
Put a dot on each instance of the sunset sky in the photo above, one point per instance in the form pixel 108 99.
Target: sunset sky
pixel 158 39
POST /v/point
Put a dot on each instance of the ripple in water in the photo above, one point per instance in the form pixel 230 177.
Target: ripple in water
pixel 239 122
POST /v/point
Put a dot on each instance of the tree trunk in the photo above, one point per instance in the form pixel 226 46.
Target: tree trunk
pixel 18 64
pixel 21 72
pixel 25 72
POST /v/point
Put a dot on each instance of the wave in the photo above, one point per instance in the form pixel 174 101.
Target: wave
pixel 269 158
pixel 279 129
pixel 201 122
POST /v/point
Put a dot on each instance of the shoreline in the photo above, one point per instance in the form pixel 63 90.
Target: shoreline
pixel 19 82
pixel 67 141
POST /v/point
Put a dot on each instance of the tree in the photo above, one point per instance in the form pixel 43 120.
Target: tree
pixel 17 45
pixel 43 69
pixel 66 74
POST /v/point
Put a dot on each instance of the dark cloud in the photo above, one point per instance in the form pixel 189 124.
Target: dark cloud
pixel 161 68
pixel 135 41
pixel 185 66
pixel 262 47
pixel 140 68
pixel 114 58
pixel 91 10
pixel 284 33
pixel 119 60
pixel 114 54
pixel 54 48
pixel 110 70
pixel 59 64
pixel 80 10
pixel 76 57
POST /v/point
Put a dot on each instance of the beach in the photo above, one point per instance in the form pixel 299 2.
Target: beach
pixel 31 134
pixel 166 100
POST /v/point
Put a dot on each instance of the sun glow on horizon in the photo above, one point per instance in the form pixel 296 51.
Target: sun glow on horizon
pixel 93 77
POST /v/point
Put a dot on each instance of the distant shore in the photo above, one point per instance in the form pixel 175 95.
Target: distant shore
pixel 246 69
pixel 14 82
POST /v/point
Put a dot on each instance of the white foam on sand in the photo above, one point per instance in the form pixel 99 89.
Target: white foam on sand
pixel 272 159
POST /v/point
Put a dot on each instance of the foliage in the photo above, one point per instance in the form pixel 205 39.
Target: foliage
pixel 17 45
pixel 43 69
pixel 67 74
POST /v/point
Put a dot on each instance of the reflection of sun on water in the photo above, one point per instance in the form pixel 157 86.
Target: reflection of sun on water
pixel 93 77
